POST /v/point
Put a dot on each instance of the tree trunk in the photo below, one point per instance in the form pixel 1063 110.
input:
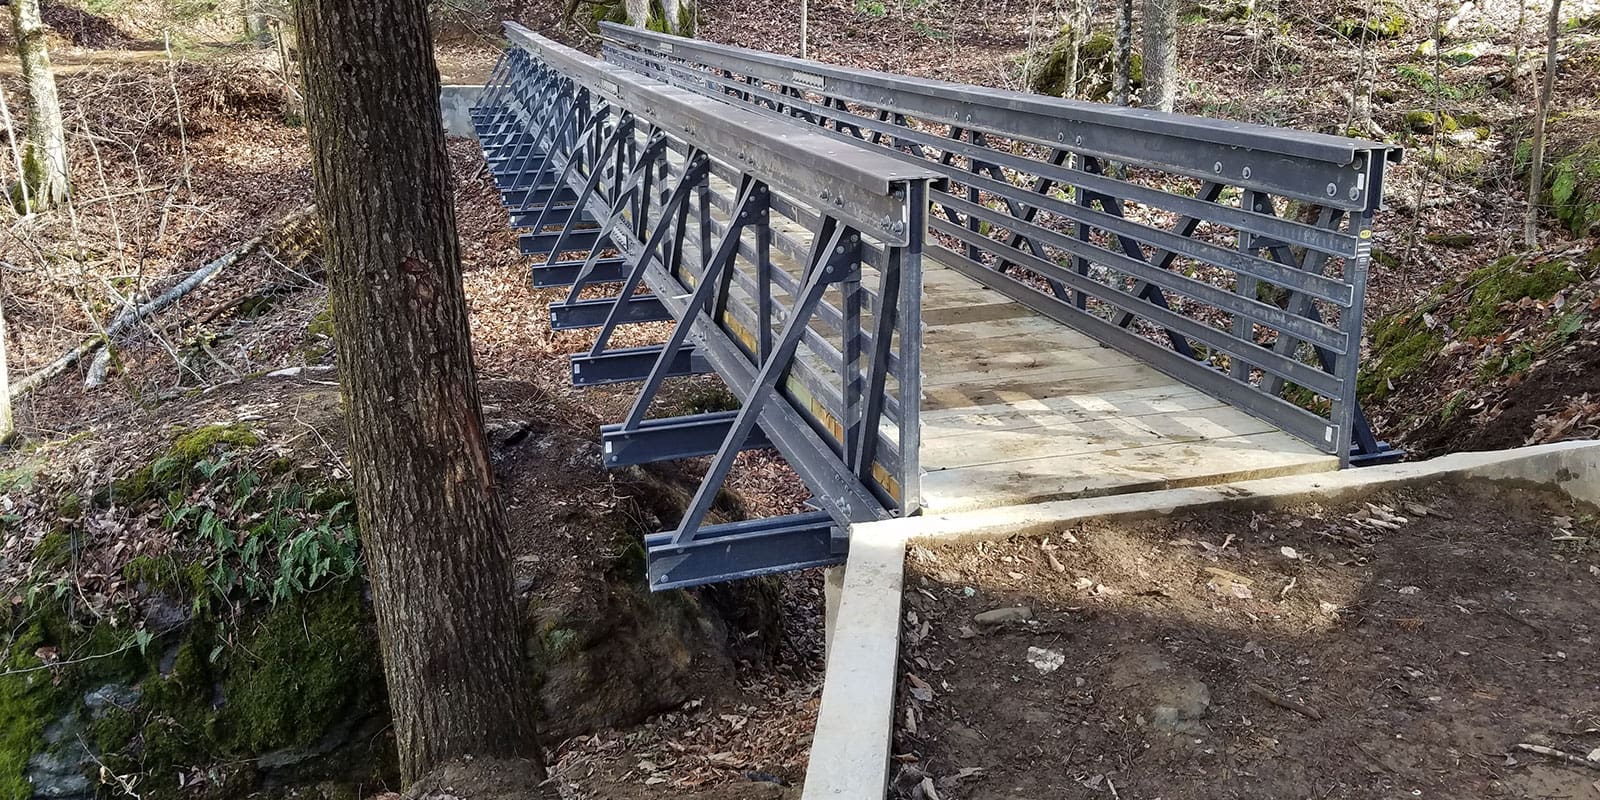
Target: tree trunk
pixel 7 423
pixel 1075 31
pixel 1122 82
pixel 805 19
pixel 1160 54
pixel 638 12
pixel 1530 223
pixel 44 154
pixel 432 526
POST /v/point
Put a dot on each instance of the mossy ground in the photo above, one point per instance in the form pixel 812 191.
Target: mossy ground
pixel 255 669
pixel 1474 309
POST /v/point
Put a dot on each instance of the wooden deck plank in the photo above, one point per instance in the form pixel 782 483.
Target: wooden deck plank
pixel 1160 466
pixel 1018 408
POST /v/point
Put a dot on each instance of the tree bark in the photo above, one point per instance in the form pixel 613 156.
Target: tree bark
pixel 1530 222
pixel 7 424
pixel 638 12
pixel 1076 30
pixel 1160 54
pixel 44 153
pixel 1122 82
pixel 805 35
pixel 432 526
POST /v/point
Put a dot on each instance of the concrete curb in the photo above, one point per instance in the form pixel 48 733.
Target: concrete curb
pixel 850 749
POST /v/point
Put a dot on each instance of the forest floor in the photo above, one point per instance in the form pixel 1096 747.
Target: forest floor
pixel 159 193
pixel 1403 645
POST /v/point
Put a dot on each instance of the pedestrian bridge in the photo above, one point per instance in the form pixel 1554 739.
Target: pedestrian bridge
pixel 931 296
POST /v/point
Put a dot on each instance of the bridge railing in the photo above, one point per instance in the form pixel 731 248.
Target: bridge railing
pixel 789 263
pixel 1234 257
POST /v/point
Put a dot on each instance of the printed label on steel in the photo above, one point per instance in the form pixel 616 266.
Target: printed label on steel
pixel 809 80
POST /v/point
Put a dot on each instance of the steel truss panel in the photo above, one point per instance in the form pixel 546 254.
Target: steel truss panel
pixel 745 550
pixel 629 364
pixel 1254 294
pixel 821 354
pixel 672 438
pixel 565 273
pixel 594 313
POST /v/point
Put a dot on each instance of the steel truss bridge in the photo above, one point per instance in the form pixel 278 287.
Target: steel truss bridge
pixel 930 296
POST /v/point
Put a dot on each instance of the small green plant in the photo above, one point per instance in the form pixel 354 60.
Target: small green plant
pixel 928 31
pixel 872 8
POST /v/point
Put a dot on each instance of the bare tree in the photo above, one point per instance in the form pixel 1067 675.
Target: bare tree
pixel 805 14
pixel 638 12
pixel 1160 54
pixel 8 426
pixel 1077 29
pixel 432 527
pixel 44 153
pixel 1122 80
pixel 1530 223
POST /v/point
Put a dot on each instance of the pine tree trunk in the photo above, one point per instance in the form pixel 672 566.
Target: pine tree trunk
pixel 44 153
pixel 1530 222
pixel 1160 54
pixel 1122 82
pixel 432 526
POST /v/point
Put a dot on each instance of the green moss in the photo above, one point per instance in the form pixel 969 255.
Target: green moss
pixel 1385 21
pixel 1385 259
pixel 318 345
pixel 1574 189
pixel 311 663
pixel 1451 239
pixel 1422 121
pixel 1096 65
pixel 1401 345
pixel 70 507
pixel 171 470
pixel 54 552
pixel 1437 86
pixel 29 700
pixel 1507 280
pixel 23 475
pixel 163 574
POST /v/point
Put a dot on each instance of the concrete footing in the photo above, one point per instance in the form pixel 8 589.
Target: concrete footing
pixel 850 750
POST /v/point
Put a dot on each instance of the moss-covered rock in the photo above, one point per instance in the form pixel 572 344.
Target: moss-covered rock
pixel 310 663
pixel 1424 121
pixel 1383 20
pixel 29 700
pixel 1096 67
pixel 1575 189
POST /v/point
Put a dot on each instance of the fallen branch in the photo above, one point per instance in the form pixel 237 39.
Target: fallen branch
pixel 1284 702
pixel 130 317
pixel 1560 754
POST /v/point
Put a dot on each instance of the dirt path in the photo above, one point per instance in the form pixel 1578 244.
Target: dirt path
pixel 1320 653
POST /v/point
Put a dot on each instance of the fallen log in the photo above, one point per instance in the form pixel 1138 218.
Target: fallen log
pixel 125 321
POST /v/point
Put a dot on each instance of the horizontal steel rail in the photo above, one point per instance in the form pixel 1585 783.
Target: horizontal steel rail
pixel 1231 256
pixel 787 261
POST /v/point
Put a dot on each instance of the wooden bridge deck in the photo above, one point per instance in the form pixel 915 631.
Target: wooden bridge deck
pixel 1018 408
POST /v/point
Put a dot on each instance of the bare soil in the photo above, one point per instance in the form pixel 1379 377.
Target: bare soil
pixel 1358 651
